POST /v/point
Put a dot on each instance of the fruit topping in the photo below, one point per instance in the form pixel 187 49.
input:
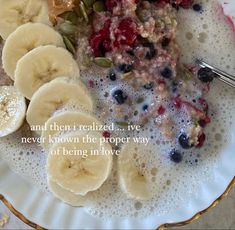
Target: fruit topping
pixel 145 108
pixel 112 75
pixel 119 96
pixel 166 72
pixel 205 75
pixel 125 68
pixel 151 53
pixel 184 141
pixel 100 41
pixel 176 156
pixel 149 86
pixel 161 110
pixel 201 140
pixel 197 7
pixel 126 33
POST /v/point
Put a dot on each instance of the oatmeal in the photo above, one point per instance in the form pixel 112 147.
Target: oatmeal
pixel 140 38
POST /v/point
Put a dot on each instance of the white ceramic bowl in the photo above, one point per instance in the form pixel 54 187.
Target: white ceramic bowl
pixel 48 212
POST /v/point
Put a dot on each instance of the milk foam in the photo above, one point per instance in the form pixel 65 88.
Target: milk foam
pixel 200 35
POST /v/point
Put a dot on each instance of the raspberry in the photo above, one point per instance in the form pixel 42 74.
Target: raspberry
pixel 106 134
pixel 100 41
pixel 201 140
pixel 110 4
pixel 186 4
pixel 126 33
pixel 161 110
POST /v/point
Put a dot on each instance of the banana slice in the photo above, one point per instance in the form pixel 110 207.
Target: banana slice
pixel 74 164
pixel 132 181
pixel 56 95
pixel 67 120
pixel 12 110
pixel 65 195
pixel 42 65
pixel 24 39
pixel 14 13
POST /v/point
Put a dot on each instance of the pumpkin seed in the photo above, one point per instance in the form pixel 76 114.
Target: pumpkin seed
pixel 71 16
pixel 187 75
pixel 69 45
pixel 88 3
pixel 122 123
pixel 98 6
pixel 140 100
pixel 83 11
pixel 103 62
pixel 126 76
pixel 68 28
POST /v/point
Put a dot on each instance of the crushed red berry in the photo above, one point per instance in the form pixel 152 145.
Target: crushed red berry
pixel 110 4
pixel 177 102
pixel 201 140
pixel 126 33
pixel 91 84
pixel 186 4
pixel 100 41
pixel 106 134
pixel 161 110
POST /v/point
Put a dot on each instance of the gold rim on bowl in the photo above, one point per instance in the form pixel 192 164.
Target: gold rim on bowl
pixel 163 226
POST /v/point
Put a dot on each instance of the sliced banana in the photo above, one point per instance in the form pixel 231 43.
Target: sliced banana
pixel 12 110
pixel 67 120
pixel 74 165
pixel 24 39
pixel 42 65
pixel 131 178
pixel 14 13
pixel 65 195
pixel 56 95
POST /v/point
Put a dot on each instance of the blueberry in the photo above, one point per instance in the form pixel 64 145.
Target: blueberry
pixel 184 141
pixel 149 85
pixel 151 52
pixel 176 6
pixel 205 75
pixel 112 76
pixel 145 108
pixel 174 86
pixel 197 7
pixel 119 96
pixel 166 72
pixel 125 68
pixel 176 156
pixel 131 52
pixel 165 42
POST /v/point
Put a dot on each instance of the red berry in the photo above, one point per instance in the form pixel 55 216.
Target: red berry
pixel 204 122
pixel 161 110
pixel 201 140
pixel 91 84
pixel 100 41
pixel 177 102
pixel 162 3
pixel 106 134
pixel 186 4
pixel 110 4
pixel 126 33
